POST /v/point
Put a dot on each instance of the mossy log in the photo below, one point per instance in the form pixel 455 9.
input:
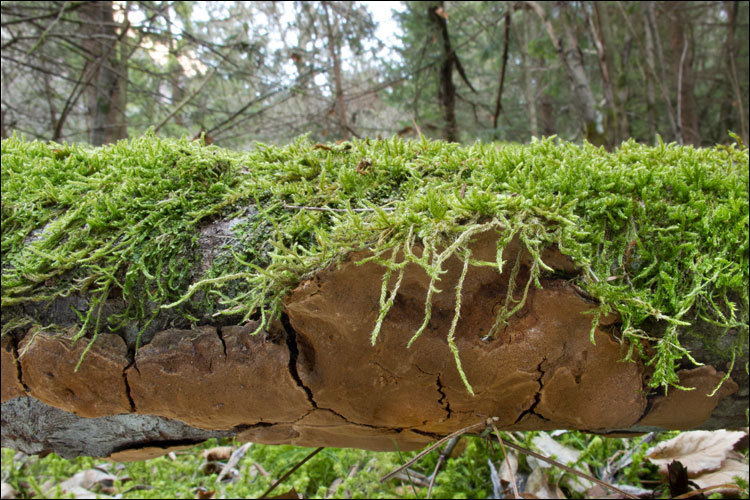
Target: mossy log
pixel 278 309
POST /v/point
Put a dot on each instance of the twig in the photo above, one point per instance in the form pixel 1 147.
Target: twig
pixel 568 469
pixel 709 488
pixel 291 471
pixel 465 430
pixel 505 457
pixel 329 209
pixel 627 458
pixel 441 459
pixel 185 100
pixel 233 459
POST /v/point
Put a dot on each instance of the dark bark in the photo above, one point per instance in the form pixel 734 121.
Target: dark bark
pixel 446 90
pixel 498 100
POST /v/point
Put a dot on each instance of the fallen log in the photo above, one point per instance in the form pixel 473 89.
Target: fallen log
pixel 376 345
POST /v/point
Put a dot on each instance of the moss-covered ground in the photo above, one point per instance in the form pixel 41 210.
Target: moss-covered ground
pixel 659 233
pixel 467 475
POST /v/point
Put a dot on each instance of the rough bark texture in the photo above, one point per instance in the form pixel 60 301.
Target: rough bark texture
pixel 314 379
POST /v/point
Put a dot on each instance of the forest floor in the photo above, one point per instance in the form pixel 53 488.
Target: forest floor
pixel 477 469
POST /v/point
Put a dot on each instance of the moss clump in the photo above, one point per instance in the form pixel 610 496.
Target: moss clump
pixel 660 233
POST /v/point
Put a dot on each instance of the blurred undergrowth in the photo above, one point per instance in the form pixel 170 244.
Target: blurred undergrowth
pixel 466 475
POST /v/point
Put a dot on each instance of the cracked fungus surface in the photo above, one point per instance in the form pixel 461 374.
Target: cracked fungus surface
pixel 151 234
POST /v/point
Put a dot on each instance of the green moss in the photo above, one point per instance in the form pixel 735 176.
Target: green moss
pixel 660 233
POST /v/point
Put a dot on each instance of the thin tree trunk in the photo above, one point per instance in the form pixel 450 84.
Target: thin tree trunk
pixel 652 27
pixel 526 79
pixel 612 123
pixel 105 115
pixel 572 60
pixel 649 77
pixel 498 100
pixel 446 90
pixel 333 49
pixel 682 64
pixel 731 9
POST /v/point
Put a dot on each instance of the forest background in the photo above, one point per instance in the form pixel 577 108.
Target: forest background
pixel 268 71
pixel 241 72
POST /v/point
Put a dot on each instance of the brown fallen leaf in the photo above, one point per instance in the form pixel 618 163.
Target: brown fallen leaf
pixel 202 493
pixel 218 453
pixel 291 494
pixel 698 451
pixel 87 480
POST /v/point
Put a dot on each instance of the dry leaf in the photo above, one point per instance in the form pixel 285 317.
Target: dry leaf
pixel 699 451
pixel 509 467
pixel 599 491
pixel 566 456
pixel 291 494
pixel 538 486
pixel 87 479
pixel 8 491
pixel 734 465
pixel 218 453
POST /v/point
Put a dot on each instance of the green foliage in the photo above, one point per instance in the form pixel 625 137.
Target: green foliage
pixel 465 475
pixel 660 233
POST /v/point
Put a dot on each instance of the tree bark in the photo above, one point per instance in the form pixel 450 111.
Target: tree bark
pixel 612 121
pixel 731 9
pixel 334 51
pixel 104 99
pixel 570 56
pixel 498 100
pixel 446 90
pixel 312 378
pixel 682 48
pixel 526 78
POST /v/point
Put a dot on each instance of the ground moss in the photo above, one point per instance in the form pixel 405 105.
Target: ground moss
pixel 659 233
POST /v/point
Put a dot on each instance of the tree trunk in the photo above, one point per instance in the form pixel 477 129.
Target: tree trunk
pixel 731 9
pixel 446 90
pixel 314 379
pixel 572 60
pixel 498 100
pixel 334 47
pixel 104 100
pixel 612 120
pixel 683 47
pixel 526 78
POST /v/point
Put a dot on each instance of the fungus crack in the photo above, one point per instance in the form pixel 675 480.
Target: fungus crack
pixel 19 369
pixel 128 394
pixel 443 401
pixel 221 338
pixel 532 409
pixel 291 342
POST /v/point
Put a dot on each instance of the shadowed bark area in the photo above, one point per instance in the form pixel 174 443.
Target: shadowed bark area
pixel 313 378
